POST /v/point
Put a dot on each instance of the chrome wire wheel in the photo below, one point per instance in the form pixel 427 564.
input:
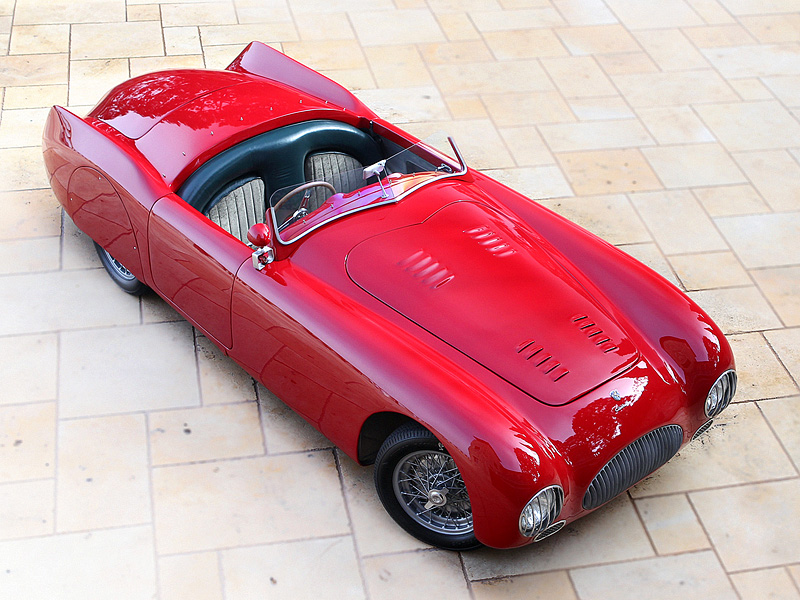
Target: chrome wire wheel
pixel 430 490
pixel 119 268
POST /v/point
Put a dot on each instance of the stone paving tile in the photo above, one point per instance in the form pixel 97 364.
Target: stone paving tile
pixel 710 270
pixel 775 175
pixel 543 586
pixel 747 233
pixel 35 96
pixel 726 201
pixel 608 171
pixel 222 381
pixel 674 125
pixel 610 217
pixel 672 524
pixel 751 125
pixel 786 344
pixel 761 375
pixel 399 575
pixel 736 310
pixel 27 441
pixel 693 165
pixel 32 377
pixel 765 583
pixel 780 288
pixel 284 429
pixel 116 40
pixel 195 576
pixel 26 509
pixel 783 416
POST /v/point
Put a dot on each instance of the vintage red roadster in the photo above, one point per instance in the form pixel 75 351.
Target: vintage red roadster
pixel 506 371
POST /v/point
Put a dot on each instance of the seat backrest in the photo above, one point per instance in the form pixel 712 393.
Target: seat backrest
pixel 240 209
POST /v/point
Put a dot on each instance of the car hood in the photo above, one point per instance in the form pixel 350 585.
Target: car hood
pixel 489 287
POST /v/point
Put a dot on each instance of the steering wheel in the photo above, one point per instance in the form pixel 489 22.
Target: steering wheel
pixel 300 188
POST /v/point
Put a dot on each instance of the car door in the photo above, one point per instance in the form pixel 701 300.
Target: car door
pixel 194 263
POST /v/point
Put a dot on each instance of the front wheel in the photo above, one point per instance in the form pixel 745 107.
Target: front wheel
pixel 121 276
pixel 421 487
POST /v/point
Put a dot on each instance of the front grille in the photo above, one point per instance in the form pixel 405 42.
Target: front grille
pixel 703 428
pixel 549 531
pixel 632 464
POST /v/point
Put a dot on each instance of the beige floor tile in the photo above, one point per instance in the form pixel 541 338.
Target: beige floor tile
pixel 672 524
pixel 207 433
pixel 663 578
pixel 507 20
pixel 544 586
pixel 527 146
pixel 26 509
pixel 671 50
pixel 22 127
pixel 164 376
pixel 77 251
pixel 497 78
pixel 258 11
pixel 766 583
pixel 329 26
pixel 773 510
pixel 608 172
pixel 397 66
pixel 755 61
pixel 116 40
pixel 711 11
pixel 739 448
pixel 598 39
pixel 527 43
pixel 102 474
pixel 675 125
pixel 405 105
pixel 35 96
pixel 398 575
pixel 585 12
pixel 532 108
pixel 674 88
pixel 27 441
pixel 33 69
pixel 718 36
pixel 276 498
pixel 714 270
pixel 284 429
pixel 222 381
pixel 29 256
pixel 726 201
pixel 445 53
pixel 327 54
pixel 40 39
pixel 752 7
pixel 352 79
pixel 608 108
pixel 81 565
pixel 31 12
pixel 760 373
pixel 374 530
pixel 785 88
pixel 140 66
pixel 693 165
pixel 610 217
pixel 545 181
pixel 751 125
pixel 144 12
pixel 787 345
pixel 579 77
pixel 219 35
pixel 746 235
pixel 32 213
pixel 200 13
pixel 751 88
pixel 769 29
pixel 783 416
pixel 635 14
pixel 737 310
pixel 467 107
pixel 282 571
pixel 615 528
pixel 402 27
pixel 22 170
pixel 89 80
pixel 650 255
pixel 31 376
pixel 182 40
pixel 156 310
pixel 626 64
pixel 677 222
pixel 477 139
pixel 781 287
pixel 195 576
pixel 595 135
pixel 457 26
pixel 776 175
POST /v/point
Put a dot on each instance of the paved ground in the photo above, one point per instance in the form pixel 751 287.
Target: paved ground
pixel 137 462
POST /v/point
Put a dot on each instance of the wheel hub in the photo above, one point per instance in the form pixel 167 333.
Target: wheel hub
pixel 436 498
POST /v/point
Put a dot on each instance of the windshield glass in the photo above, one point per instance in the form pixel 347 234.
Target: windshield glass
pixel 339 189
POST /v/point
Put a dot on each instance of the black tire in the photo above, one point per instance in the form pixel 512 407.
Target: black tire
pixel 444 519
pixel 117 271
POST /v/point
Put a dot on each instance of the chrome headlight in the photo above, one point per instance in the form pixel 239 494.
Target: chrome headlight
pixel 541 511
pixel 721 394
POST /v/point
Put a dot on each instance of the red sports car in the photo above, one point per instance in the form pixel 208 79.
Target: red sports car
pixel 506 371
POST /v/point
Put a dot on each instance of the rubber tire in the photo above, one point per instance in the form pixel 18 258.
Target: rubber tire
pixel 405 440
pixel 131 286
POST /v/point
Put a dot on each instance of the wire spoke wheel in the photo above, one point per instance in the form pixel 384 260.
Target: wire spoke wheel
pixel 119 268
pixel 430 489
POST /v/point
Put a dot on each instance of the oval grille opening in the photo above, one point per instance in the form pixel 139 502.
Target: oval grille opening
pixel 632 464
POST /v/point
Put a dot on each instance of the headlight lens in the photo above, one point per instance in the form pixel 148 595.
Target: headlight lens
pixel 541 511
pixel 720 394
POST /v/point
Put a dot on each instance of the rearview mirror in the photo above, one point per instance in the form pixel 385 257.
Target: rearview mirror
pixel 260 236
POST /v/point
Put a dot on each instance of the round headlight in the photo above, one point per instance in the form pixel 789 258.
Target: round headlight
pixel 720 394
pixel 541 511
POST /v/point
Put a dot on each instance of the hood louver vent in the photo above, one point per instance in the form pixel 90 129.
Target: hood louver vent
pixel 594 333
pixel 424 268
pixel 543 360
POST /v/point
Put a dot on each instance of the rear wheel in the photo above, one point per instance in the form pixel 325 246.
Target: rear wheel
pixel 121 276
pixel 421 487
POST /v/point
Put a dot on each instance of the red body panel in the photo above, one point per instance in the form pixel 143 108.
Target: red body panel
pixel 338 352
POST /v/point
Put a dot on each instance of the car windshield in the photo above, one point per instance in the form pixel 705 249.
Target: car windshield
pixel 336 189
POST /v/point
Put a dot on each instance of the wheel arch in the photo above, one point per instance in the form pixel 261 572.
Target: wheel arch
pixel 374 431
